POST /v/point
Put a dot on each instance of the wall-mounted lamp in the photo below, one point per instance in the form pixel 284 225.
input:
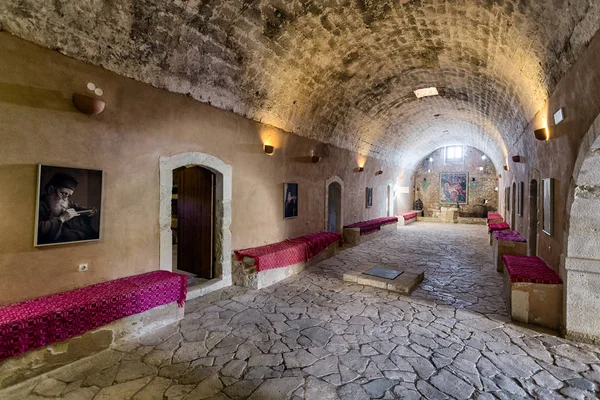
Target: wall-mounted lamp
pixel 518 159
pixel 506 167
pixel 380 172
pixel 542 134
pixel 269 150
pixel 88 105
pixel 360 169
pixel 496 189
pixel 315 159
pixel 472 179
pixel 499 176
pixel 481 168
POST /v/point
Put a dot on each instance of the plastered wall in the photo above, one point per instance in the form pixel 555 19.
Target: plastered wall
pixel 141 124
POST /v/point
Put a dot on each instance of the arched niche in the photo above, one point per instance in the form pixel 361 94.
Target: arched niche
pixel 335 186
pixel 533 223
pixel 222 216
pixel 582 261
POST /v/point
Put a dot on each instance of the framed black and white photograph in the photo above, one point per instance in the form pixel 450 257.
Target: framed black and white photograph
pixel 548 205
pixel 290 200
pixel 369 197
pixel 520 194
pixel 69 204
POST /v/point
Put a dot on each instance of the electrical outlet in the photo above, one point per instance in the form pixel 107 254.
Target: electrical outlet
pixel 83 267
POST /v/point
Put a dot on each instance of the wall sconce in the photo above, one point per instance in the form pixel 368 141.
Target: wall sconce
pixel 88 105
pixel 269 150
pixel 518 159
pixel 542 134
pixel 315 159
pixel 360 169
pixel 506 167
pixel 380 172
pixel 499 176
pixel 472 179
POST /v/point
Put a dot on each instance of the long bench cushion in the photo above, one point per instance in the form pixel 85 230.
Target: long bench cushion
pixel 409 215
pixel 509 236
pixel 493 216
pixel 373 224
pixel 498 226
pixel 319 241
pixel 39 322
pixel 289 252
pixel 275 255
pixel 530 269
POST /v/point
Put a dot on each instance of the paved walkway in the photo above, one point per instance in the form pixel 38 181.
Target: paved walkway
pixel 316 337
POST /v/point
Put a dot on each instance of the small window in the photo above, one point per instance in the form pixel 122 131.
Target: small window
pixel 454 153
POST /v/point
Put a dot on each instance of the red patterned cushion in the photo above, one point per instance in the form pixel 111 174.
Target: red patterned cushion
pixel 373 224
pixel 530 269
pixel 319 241
pixel 409 215
pixel 498 226
pixel 492 216
pixel 39 322
pixel 509 236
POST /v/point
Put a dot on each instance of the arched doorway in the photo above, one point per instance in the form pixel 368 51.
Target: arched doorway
pixel 582 263
pixel 206 165
pixel 513 206
pixel 334 206
pixel 532 236
pixel 192 222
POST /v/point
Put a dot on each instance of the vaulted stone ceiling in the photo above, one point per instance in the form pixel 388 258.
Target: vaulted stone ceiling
pixel 341 71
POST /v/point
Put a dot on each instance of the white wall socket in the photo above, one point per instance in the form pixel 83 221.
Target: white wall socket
pixel 83 267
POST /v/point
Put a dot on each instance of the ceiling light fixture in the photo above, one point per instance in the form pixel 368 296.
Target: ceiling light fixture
pixel 426 92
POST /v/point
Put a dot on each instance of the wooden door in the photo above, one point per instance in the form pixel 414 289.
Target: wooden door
pixel 195 205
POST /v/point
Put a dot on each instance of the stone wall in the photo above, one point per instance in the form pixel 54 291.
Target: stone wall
pixel 482 183
pixel 140 125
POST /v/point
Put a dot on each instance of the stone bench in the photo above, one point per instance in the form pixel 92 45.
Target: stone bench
pixel 508 242
pixel 533 291
pixel 407 218
pixel 363 231
pixel 263 266
pixel 43 334
pixel 496 226
pixel 494 217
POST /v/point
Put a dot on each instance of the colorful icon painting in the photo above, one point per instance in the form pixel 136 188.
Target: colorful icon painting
pixel 454 188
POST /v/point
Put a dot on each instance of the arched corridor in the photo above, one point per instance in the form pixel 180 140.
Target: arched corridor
pixel 275 199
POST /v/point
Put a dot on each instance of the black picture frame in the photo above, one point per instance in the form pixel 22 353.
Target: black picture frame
pixel 369 197
pixel 290 200
pixel 68 205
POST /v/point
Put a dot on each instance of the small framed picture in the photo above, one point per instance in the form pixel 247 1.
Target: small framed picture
pixel 548 206
pixel 369 199
pixel 290 200
pixel 507 199
pixel 69 205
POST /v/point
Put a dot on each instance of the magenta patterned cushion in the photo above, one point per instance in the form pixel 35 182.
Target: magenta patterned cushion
pixel 45 320
pixel 530 269
pixel 493 216
pixel 372 225
pixel 509 236
pixel 498 226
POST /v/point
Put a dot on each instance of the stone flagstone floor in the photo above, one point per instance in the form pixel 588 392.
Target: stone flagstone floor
pixel 314 336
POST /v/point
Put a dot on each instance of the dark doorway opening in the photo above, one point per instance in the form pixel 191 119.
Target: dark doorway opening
pixel 334 207
pixel 533 219
pixel 192 205
pixel 513 206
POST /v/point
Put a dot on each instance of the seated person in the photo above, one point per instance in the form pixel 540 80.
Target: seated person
pixel 60 219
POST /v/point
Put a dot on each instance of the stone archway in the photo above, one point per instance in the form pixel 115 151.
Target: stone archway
pixel 222 236
pixel 334 186
pixel 582 263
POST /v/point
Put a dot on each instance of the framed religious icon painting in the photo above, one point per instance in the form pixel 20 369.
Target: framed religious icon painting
pixel 369 197
pixel 69 205
pixel 290 200
pixel 548 206
pixel 454 188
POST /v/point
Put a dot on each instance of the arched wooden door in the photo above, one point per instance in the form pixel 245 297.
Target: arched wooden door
pixel 195 221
